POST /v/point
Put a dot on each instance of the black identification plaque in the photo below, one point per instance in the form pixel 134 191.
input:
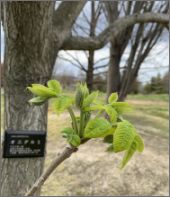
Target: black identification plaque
pixel 19 144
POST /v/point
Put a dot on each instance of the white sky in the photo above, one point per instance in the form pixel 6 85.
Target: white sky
pixel 157 61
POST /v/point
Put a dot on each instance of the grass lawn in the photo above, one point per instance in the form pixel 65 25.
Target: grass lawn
pixel 152 97
pixel 150 111
pixel 93 171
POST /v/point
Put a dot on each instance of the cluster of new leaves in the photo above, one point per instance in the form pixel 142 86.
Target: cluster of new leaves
pixel 92 121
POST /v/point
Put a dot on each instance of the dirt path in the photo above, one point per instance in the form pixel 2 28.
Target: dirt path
pixel 93 171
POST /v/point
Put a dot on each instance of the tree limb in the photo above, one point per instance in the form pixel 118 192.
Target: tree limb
pixel 111 32
pixel 67 152
pixel 63 19
pixel 67 13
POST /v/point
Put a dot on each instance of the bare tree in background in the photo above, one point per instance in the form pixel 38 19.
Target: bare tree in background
pixel 34 34
pixel 88 25
pixel 139 38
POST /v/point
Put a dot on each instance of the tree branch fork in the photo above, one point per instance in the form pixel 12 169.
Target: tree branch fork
pixel 113 31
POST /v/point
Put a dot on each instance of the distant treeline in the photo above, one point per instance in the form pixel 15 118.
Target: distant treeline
pixel 157 84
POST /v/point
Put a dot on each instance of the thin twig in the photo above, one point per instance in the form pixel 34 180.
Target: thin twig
pixel 67 152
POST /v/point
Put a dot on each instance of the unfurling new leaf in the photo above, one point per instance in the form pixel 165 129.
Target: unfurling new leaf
pixel 123 136
pixel 62 103
pixel 81 93
pixel 55 86
pixel 42 91
pixel 128 155
pixel 89 99
pixel 113 97
pixel 121 107
pixel 126 139
pixel 37 100
pixel 139 143
pixel 113 115
pixel 71 136
pixel 120 134
pixel 98 127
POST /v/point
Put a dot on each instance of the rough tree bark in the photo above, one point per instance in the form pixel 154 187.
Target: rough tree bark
pixel 113 77
pixel 90 66
pixel 32 42
pixel 27 60
pixel 90 74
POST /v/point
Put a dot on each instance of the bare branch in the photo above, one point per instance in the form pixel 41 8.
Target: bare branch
pixel 75 61
pixel 102 66
pixel 81 43
pixel 82 28
pixel 67 152
pixel 101 59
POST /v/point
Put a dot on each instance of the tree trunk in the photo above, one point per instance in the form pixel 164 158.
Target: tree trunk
pixel 89 76
pixel 125 90
pixel 90 69
pixel 113 78
pixel 27 60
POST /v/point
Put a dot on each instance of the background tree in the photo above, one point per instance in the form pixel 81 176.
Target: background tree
pixel 89 25
pixel 157 85
pixel 139 38
pixel 34 34
pixel 2 71
pixel 136 87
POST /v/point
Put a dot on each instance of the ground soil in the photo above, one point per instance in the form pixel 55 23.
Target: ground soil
pixel 93 171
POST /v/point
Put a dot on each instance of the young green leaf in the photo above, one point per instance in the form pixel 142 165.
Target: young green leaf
pixel 74 140
pixel 85 90
pixel 113 97
pixel 139 143
pixel 98 127
pixel 62 103
pixel 55 86
pixel 71 136
pixel 111 113
pixel 37 100
pixel 123 136
pixel 67 131
pixel 90 98
pixel 128 155
pixel 121 107
pixel 86 116
pixel 41 91
pixel 94 108
pixel 81 93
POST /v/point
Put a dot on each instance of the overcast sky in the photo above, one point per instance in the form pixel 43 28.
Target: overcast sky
pixel 156 62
